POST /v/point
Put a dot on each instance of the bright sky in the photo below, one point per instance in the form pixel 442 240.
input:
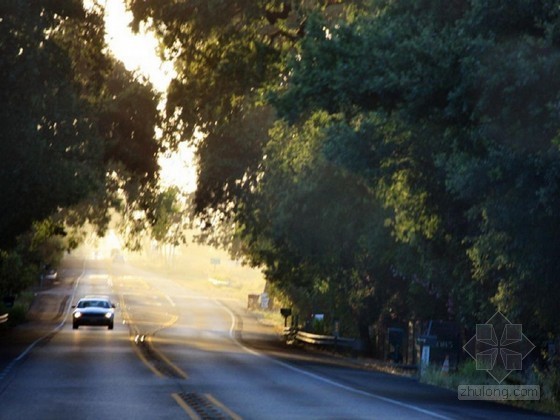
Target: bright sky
pixel 138 52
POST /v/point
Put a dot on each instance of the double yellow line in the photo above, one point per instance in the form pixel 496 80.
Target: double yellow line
pixel 135 337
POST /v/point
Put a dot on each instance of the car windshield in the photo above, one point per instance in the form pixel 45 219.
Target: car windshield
pixel 93 304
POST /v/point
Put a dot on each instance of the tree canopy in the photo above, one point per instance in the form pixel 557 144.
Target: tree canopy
pixel 77 130
pixel 463 150
pixel 401 155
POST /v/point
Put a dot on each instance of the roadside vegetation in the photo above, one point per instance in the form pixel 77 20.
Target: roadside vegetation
pixel 468 374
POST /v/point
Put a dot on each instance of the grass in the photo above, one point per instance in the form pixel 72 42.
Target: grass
pixel 467 374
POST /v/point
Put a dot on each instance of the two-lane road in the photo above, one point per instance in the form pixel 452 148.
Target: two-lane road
pixel 175 353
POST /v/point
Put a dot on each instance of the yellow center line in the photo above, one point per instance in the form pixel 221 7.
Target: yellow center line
pixel 226 410
pixel 180 372
pixel 139 354
pixel 163 357
pixel 144 360
pixel 169 323
pixel 185 407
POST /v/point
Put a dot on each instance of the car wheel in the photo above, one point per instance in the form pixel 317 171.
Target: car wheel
pixel 110 326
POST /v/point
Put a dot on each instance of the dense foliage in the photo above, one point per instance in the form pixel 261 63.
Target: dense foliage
pixel 460 112
pixel 381 158
pixel 77 131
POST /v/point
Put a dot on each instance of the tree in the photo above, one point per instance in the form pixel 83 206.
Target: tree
pixel 47 146
pixel 227 54
pixel 78 123
pixel 77 134
pixel 438 120
pixel 464 151
pixel 171 218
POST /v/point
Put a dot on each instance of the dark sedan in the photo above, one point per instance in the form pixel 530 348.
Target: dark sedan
pixel 93 311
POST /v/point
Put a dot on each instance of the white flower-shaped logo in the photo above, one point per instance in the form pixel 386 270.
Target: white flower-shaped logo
pixel 512 347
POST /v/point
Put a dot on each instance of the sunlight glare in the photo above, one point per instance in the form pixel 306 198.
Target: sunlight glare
pixel 138 52
pixel 178 169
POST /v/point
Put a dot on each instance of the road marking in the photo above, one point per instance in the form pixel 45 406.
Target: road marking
pixel 136 337
pixel 218 404
pixel 170 300
pixel 180 372
pixel 325 380
pixel 190 412
pixel 144 359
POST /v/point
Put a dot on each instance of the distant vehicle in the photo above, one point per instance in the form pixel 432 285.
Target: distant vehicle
pixel 93 310
pixel 50 274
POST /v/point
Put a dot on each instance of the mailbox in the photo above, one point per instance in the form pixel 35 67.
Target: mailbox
pixel 286 312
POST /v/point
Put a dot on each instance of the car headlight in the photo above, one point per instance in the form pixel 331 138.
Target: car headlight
pixel 77 314
pixel 108 315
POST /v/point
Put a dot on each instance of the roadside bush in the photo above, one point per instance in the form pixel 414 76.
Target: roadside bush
pixel 549 380
pixel 465 374
pixel 16 273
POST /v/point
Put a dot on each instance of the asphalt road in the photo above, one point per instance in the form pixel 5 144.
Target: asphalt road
pixel 176 352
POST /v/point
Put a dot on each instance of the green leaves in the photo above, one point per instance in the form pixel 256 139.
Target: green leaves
pixel 77 132
pixel 447 120
pixel 46 143
pixel 385 152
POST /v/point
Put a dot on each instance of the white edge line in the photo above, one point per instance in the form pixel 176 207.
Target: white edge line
pixel 325 380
